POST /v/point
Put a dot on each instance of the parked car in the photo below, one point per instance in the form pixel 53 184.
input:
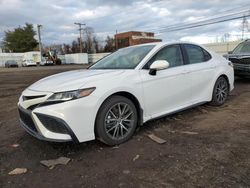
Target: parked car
pixel 240 57
pixel 48 63
pixel 28 63
pixel 124 90
pixel 11 63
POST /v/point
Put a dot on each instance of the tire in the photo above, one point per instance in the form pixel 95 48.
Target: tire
pixel 220 92
pixel 114 126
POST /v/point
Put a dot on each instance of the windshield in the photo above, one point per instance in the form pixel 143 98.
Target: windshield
pixel 10 61
pixel 242 48
pixel 126 58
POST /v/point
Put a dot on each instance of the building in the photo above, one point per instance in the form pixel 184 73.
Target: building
pixel 133 38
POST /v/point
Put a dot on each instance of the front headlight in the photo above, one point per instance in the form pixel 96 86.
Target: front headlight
pixel 70 95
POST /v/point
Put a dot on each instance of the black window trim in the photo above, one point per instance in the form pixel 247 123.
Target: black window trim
pixel 144 67
pixel 186 55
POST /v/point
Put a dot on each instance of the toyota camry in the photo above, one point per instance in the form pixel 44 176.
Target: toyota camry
pixel 129 87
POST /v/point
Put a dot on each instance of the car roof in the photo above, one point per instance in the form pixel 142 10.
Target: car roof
pixel 166 43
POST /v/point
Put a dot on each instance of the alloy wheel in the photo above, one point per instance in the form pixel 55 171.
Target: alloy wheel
pixel 221 91
pixel 119 121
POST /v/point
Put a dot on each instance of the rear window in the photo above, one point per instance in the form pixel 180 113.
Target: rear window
pixel 196 54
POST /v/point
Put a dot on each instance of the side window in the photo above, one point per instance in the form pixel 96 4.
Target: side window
pixel 207 55
pixel 171 54
pixel 196 54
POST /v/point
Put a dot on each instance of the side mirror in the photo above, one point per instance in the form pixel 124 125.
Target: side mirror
pixel 230 52
pixel 158 65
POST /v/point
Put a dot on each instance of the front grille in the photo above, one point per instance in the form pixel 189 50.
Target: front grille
pixel 27 120
pixel 52 124
pixel 32 97
pixel 240 60
pixel 238 66
pixel 32 107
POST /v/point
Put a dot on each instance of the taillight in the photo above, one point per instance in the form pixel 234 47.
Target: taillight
pixel 230 64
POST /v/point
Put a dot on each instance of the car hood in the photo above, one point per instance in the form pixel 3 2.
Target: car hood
pixel 239 56
pixel 71 80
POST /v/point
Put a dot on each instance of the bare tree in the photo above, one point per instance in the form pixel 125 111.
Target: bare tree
pixel 88 39
pixel 75 47
pixel 90 42
pixel 67 49
pixel 110 44
pixel 96 44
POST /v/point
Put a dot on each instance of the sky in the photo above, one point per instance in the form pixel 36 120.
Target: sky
pixel 107 16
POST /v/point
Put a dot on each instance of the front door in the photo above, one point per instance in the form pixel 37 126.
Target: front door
pixel 168 90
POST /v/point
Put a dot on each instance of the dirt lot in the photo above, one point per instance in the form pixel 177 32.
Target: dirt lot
pixel 217 156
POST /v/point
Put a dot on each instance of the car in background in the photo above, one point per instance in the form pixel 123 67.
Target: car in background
pixel 11 63
pixel 47 62
pixel 240 57
pixel 124 90
pixel 28 63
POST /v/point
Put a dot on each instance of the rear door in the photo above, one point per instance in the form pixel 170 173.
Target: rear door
pixel 201 68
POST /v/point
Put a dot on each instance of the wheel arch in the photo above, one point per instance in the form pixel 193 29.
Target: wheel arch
pixel 227 79
pixel 214 81
pixel 136 102
pixel 129 96
pixel 219 75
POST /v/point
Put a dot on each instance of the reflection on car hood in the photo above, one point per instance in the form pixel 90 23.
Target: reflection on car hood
pixel 71 80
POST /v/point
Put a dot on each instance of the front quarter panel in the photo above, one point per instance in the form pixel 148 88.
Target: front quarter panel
pixel 128 81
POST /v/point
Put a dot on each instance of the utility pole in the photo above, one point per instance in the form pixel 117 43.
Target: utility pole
pixel 116 43
pixel 39 40
pixel 80 29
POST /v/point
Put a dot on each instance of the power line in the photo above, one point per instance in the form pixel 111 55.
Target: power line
pixel 206 20
pixel 199 24
pixel 200 20
pixel 162 28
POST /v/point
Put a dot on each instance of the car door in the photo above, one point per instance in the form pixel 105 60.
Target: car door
pixel 168 90
pixel 201 68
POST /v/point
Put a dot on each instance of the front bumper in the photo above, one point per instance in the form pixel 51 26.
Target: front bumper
pixel 27 122
pixel 241 69
pixel 67 121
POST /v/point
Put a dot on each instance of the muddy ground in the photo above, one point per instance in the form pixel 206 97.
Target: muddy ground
pixel 217 156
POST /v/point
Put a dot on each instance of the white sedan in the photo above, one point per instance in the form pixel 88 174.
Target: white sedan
pixel 124 90
pixel 28 63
